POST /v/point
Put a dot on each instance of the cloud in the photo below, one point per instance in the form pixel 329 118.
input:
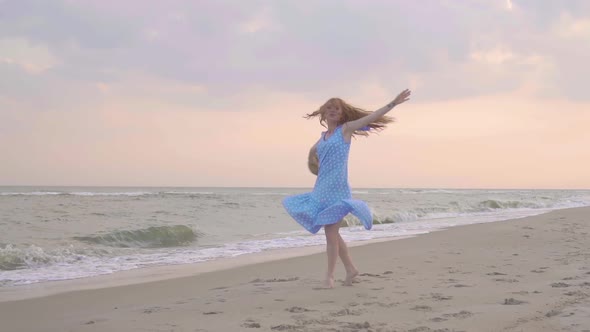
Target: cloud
pixel 262 20
pixel 33 59
pixel 509 5
pixel 61 23
pixel 318 50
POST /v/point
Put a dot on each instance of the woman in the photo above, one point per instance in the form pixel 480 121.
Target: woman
pixel 331 200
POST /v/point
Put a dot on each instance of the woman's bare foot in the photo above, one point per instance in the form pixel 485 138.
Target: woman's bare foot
pixel 329 282
pixel 350 275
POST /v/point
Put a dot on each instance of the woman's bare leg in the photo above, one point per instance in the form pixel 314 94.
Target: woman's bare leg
pixel 335 246
pixel 351 270
pixel 332 249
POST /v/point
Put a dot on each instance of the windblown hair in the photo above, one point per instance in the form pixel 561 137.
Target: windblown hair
pixel 350 113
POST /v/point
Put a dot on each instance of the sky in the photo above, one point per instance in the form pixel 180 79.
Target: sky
pixel 213 93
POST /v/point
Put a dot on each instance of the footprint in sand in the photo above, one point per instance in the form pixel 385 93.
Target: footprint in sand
pixel 381 304
pixel 212 312
pixel 460 315
pixel 552 313
pixel 348 312
pixel 454 252
pixel 438 319
pixel 364 325
pixel 370 275
pixel 496 274
pixel 94 321
pixel 559 285
pixel 513 301
pixel 251 324
pixel 297 309
pixel 506 280
pixel 258 280
pixel 422 308
pixel 521 292
pixel 303 322
pixel 421 329
pixel 461 285
pixel 440 297
pixel 151 310
pixel 286 327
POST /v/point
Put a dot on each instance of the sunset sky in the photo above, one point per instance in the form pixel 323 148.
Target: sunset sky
pixel 213 93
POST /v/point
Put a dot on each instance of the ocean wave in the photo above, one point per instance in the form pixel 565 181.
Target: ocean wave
pixel 76 193
pixel 270 194
pixel 429 191
pixel 31 193
pixel 89 193
pixel 456 209
pixel 351 220
pixel 15 258
pixel 500 204
pixel 99 193
pixel 189 193
pixel 151 237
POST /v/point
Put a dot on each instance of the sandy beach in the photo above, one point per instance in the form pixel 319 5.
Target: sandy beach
pixel 529 274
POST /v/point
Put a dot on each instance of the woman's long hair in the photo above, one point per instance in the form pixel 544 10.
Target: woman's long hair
pixel 350 113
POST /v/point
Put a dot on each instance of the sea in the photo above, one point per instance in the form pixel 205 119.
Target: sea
pixel 61 233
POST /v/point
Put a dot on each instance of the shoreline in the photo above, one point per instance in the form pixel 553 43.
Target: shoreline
pixel 167 272
pixel 173 271
pixel 527 274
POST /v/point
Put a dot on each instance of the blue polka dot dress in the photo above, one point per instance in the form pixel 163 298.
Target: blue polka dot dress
pixel 331 200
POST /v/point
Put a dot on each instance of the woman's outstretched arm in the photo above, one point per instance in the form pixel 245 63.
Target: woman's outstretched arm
pixel 352 126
